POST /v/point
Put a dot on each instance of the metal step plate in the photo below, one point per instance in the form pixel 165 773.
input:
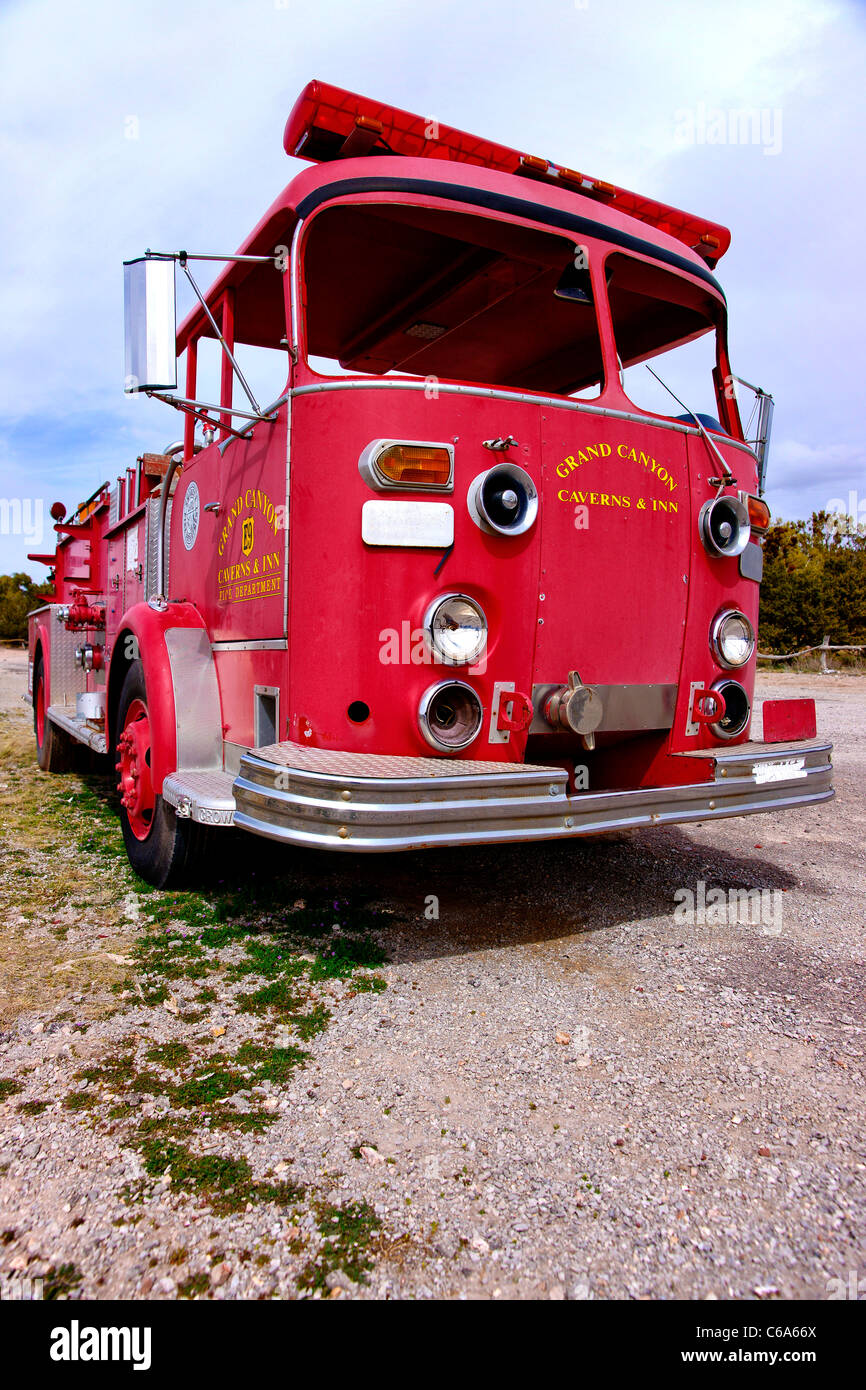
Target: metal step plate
pixel 203 796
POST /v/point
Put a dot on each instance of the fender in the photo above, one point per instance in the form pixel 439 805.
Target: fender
pixel 182 690
pixel 40 636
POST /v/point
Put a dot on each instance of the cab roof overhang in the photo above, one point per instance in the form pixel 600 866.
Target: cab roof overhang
pixel 259 316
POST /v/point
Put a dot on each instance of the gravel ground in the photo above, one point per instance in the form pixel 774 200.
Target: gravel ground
pixel 554 1090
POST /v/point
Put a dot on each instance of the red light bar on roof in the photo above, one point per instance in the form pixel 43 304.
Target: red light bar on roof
pixel 327 123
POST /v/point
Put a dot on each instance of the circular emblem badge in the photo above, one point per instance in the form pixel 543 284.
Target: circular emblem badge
pixel 191 511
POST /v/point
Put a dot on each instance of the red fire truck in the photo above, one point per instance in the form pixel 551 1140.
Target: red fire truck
pixel 454 586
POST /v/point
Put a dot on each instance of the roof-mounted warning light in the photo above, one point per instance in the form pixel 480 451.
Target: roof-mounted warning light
pixel 327 123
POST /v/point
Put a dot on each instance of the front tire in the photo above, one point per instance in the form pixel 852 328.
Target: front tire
pixel 163 849
pixel 54 748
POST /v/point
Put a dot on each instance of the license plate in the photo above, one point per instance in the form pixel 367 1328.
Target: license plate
pixel 779 770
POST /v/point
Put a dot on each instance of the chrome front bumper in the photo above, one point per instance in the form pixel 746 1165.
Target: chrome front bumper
pixel 362 801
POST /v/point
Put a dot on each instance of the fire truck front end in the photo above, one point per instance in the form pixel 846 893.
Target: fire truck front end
pixel 521 604
pixel 488 568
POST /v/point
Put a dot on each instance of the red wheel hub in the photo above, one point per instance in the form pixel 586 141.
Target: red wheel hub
pixel 136 783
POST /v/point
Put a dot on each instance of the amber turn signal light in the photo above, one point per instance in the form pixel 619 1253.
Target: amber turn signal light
pixel 414 465
pixel 759 514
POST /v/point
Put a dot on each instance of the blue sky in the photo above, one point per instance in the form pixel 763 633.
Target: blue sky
pixel 126 125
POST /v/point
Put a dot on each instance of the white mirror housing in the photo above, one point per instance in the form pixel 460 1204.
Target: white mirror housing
pixel 150 324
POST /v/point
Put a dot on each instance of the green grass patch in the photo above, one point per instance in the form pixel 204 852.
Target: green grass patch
pixel 170 1054
pixel 226 1183
pixel 347 1233
pixel 79 1100
pixel 195 1286
pixel 60 1281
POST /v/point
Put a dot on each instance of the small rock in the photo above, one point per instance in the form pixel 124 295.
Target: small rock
pixel 764 1151
pixel 371 1155
pixel 563 1038
pixel 220 1273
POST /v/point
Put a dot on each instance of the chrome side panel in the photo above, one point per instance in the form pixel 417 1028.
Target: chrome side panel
pixel 625 707
pixel 68 679
pixel 197 710
pixel 151 545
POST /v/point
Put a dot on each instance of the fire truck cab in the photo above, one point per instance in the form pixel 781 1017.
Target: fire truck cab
pixel 453 585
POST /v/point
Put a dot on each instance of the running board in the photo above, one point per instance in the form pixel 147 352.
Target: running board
pixel 202 795
pixel 78 728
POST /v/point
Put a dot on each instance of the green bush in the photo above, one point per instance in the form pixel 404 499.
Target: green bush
pixel 19 595
pixel 814 583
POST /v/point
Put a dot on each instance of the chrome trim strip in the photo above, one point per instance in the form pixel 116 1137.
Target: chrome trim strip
pixel 258 644
pixel 497 393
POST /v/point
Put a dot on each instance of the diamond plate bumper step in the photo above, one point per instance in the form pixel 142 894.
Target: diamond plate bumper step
pixel 369 802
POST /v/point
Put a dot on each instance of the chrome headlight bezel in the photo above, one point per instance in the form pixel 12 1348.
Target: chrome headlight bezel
pixel 726 616
pixel 732 690
pixel 428 625
pixel 427 724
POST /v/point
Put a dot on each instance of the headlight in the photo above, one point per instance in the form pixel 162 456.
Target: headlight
pixel 456 629
pixel 450 716
pixel 732 639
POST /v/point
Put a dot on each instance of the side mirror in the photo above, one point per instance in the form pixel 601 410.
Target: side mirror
pixel 150 324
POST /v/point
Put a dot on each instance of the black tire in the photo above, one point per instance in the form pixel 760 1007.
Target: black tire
pixel 174 851
pixel 54 747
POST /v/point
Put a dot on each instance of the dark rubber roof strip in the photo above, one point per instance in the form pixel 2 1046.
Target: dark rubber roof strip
pixel 517 207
